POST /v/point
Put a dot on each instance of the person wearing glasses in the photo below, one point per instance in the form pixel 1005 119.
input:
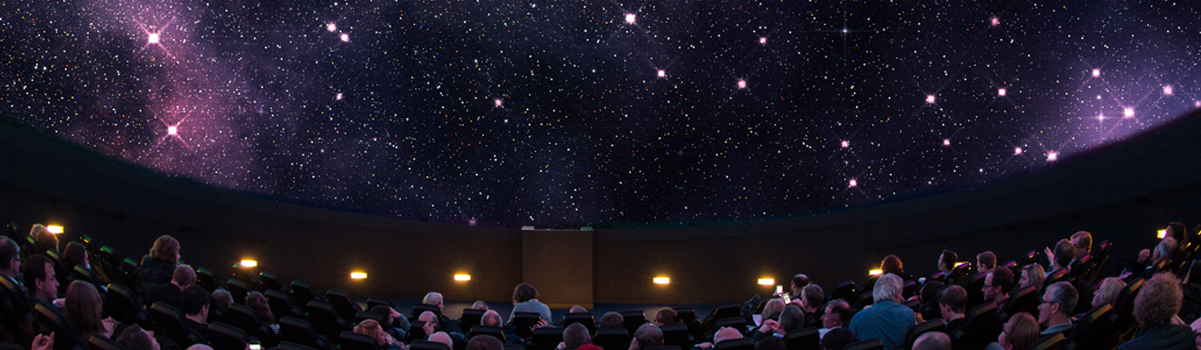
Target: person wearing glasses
pixel 16 323
pixel 1055 310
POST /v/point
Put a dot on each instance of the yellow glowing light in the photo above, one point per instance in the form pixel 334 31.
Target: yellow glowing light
pixel 249 263
pixel 55 229
pixel 358 275
pixel 662 280
pixel 876 272
pixel 1162 233
pixel 960 263
pixel 462 277
pixel 767 281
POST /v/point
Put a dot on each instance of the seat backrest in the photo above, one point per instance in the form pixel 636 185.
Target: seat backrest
pixel 367 315
pixel 959 273
pixel 735 344
pixel 1059 275
pixel 608 338
pixel 675 334
pixel 1030 258
pixel 583 318
pixel 324 319
pixel 1125 301
pixel 226 337
pixel 1022 300
pixel 348 340
pixel 546 338
pixel 420 308
pixel 238 289
pixel 300 331
pixel 124 306
pixel 975 289
pixel 470 318
pixel 727 310
pixel 101 342
pixel 488 331
pixel 844 291
pixel 1094 329
pixel 168 321
pixel 343 305
pixel 522 321
pixel 279 304
pixel 934 325
pixel 242 316
pixel 979 327
pixel 1050 342
pixel 808 338
pixel 427 345
pixel 737 323
pixel 634 319
pixel 51 321
pixel 373 302
pixel 272 282
pixel 302 293
pixel 287 345
pixel 870 344
pixel 207 279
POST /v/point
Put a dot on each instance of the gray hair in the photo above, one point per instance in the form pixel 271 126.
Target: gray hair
pixel 887 287
pixel 1064 294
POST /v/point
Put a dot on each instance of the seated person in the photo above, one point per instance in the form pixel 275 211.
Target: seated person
pixel 373 329
pixel 952 302
pixel 837 315
pixel 1158 301
pixel 838 338
pixel 1055 310
pixel 1017 334
pixel 887 319
pixel 647 336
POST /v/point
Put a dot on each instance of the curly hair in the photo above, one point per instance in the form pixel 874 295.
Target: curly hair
pixel 1158 300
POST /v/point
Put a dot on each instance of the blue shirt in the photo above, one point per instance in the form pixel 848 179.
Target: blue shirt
pixel 532 305
pixel 887 321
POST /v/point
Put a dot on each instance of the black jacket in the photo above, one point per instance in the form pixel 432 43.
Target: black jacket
pixel 1163 336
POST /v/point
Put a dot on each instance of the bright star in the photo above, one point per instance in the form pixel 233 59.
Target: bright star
pixel 741 84
pixel 1096 72
pixel 946 142
pixel 1017 151
pixel 152 38
pixel 331 27
pixel 929 98
pixel 498 102
pixel 630 18
pixel 854 183
pixel 1127 112
pixel 662 73
pixel 1167 90
pixel 1052 156
pixel 1001 92
pixel 338 96
pixel 345 37
pixel 172 130
pixel 995 21
pixel 763 40
pixel 846 143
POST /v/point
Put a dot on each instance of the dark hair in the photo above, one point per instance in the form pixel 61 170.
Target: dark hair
pixel 949 258
pixel 648 336
pixel 165 248
pixel 33 269
pixel 770 343
pixel 82 309
pixel 524 292
pixel 485 343
pixel 46 240
pixel 184 275
pixel 813 295
pixel 892 264
pixel 8 251
pixel 612 320
pixel 576 335
pixel 262 311
pixel 792 318
pixel 838 338
pixel 1004 278
pixel 1064 252
pixel 800 280
pixel 987 260
pixel 666 315
pixel 955 297
pixel 1064 294
pixel 1179 232
pixel 134 338
pixel 194 299
pixel 75 254
pixel 841 309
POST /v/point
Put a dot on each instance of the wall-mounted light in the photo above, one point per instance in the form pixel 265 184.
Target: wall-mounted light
pixel 249 263
pixel 661 280
pixel 462 277
pixel 959 263
pixel 875 272
pixel 767 281
pixel 358 275
pixel 55 229
pixel 1162 233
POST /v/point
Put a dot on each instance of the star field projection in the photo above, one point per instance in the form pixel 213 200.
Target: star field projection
pixel 596 112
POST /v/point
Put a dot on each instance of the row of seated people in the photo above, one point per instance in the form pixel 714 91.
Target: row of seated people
pixel 250 304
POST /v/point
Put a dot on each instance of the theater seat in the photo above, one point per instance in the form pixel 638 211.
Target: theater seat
pixel 934 325
pixel 870 344
pixel 207 279
pixel 975 290
pixel 302 293
pixel 125 307
pixel 1100 258
pixel 1081 268
pixel 470 318
pixel 1050 342
pixel 979 328
pixel 168 322
pixel 416 331
pixel 238 289
pixel 808 338
pixel 522 321
pixel 676 334
pixel 420 308
pixel 735 344
pixel 610 338
pixel 1030 258
pixel 242 316
pixel 665 347
pixel 737 323
pixel 301 332
pixel 583 318
pixel 494 332
pixel 343 305
pixel 226 337
pixel 101 342
pixel 280 305
pixel 909 289
pixel 360 316
pixel 633 319
pixel 1022 300
pixel 427 345
pixel 725 311
pixel 353 341
pixel 52 321
pixel 325 320
pixel 1056 276
pixel 688 317
pixel 844 291
pixel 959 274
pixel 546 338
pixel 272 282
pixel 1094 330
pixel 287 345
pixel 514 346
pixel 373 302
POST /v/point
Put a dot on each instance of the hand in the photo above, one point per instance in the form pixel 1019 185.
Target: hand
pixel 109 325
pixel 540 324
pixel 43 342
pixel 705 345
pixel 1050 255
pixel 769 326
pixel 1144 255
pixel 428 328
pixel 799 303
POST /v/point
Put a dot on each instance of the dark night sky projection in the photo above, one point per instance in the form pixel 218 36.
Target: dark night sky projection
pixel 596 112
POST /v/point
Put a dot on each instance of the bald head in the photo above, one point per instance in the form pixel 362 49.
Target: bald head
pixel 932 341
pixel 442 337
pixel 726 333
pixel 427 316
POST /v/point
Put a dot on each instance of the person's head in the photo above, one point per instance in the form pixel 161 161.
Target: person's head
pixel 485 343
pixel 184 276
pixel 771 343
pixel 1083 242
pixel 668 315
pixel 648 336
pixel 427 316
pixel 1177 231
pixel 199 346
pixel 82 308
pixel 134 338
pixel 372 328
pixel 947 260
pixel 812 296
pixel 524 292
pixel 888 287
pixel 1064 253
pixel 38 272
pixel 165 248
pixel 612 320
pixel 222 298
pixel 986 261
pixel 952 300
pixel 76 254
pixel 932 341
pixel 892 264
pixel 479 305
pixel 838 313
pixel 1057 304
pixel 772 309
pixel 442 337
pixel 1108 292
pixel 195 301
pixel 1158 300
pixel 1021 331
pixel 576 335
pixel 433 299
pixel 997 283
pixel 10 253
pixel 726 333
pixel 799 281
pixel 262 311
pixel 1032 275
pixel 491 319
pixel 838 338
pixel 576 309
pixel 1163 250
pixel 46 240
pixel 792 318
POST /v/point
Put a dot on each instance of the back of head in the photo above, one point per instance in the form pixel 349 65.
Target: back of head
pixel 576 335
pixel 262 311
pixel 46 240
pixel 813 295
pixel 444 338
pixel 612 320
pixel 479 305
pixel 726 333
pixel 954 297
pixel 1064 253
pixel 1179 233
pixel 648 336
pixel 368 327
pixel 165 248
pixel 1158 300
pixel 576 309
pixel 524 292
pixel 222 298
pixel 432 298
pixel 887 288
pixel 800 280
pixel 949 258
pixel 427 316
pixel 986 261
pixel 75 254
pixel 666 315
pixel 838 338
pixel 184 276
pixel 1064 294
pixel 491 319
pixel 773 308
pixel 932 341
pixel 195 298
pixel 792 318
pixel 892 264
pixel 485 343
pixel 1004 278
pixel 1108 292
pixel 82 308
pixel 134 338
pixel 1021 330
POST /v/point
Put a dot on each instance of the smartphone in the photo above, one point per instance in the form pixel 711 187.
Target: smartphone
pixel 779 289
pixel 256 346
pixel 787 299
